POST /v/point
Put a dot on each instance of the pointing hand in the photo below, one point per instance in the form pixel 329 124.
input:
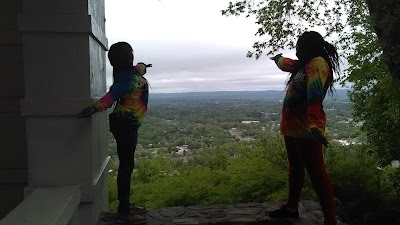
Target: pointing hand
pixel 276 56
pixel 86 112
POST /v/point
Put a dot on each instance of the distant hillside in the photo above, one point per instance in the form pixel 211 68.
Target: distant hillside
pixel 267 95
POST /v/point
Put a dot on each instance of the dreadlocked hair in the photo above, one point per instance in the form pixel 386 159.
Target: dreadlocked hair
pixel 310 45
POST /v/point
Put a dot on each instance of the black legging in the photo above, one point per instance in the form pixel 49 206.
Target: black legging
pixel 126 138
pixel 307 154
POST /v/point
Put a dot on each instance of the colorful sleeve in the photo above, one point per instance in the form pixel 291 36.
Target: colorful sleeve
pixel 141 68
pixel 317 71
pixel 116 91
pixel 285 64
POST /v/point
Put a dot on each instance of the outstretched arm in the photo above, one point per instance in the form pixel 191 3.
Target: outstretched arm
pixel 116 90
pixel 283 63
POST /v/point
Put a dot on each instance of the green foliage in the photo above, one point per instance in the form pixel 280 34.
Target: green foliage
pixel 196 185
pixel 228 170
pixel 390 182
pixel 257 173
pixel 360 185
pixel 151 170
pixel 112 193
pixel 375 95
pixel 274 150
pixel 216 159
pixel 251 175
pixel 283 21
pixel 378 109
pixel 352 171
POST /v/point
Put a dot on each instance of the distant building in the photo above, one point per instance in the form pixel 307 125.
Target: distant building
pixel 182 150
pixel 248 122
pixel 348 141
pixel 332 109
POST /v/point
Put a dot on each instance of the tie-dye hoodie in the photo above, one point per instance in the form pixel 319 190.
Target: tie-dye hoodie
pixel 302 106
pixel 130 89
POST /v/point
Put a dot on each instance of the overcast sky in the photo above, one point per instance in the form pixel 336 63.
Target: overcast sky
pixel 191 45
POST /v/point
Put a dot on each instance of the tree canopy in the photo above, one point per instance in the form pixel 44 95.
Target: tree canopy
pixel 283 21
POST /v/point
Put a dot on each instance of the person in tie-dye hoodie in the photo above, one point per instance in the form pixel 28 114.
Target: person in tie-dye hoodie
pixel 130 92
pixel 303 121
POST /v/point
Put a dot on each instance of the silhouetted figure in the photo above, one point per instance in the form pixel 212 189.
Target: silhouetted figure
pixel 303 121
pixel 130 91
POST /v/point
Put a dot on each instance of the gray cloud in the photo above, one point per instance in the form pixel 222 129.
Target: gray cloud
pixel 184 66
pixel 192 46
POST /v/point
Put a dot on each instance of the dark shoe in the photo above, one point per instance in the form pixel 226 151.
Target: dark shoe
pixel 130 219
pixel 331 222
pixel 135 209
pixel 283 212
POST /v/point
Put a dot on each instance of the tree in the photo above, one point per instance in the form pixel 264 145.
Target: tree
pixel 283 21
pixel 367 33
pixel 386 17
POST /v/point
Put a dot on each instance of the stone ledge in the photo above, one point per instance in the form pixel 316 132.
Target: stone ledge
pixel 238 214
pixel 87 192
pixel 45 206
pixel 62 23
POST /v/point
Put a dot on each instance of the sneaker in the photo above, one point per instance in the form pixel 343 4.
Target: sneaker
pixel 331 222
pixel 137 209
pixel 130 219
pixel 283 212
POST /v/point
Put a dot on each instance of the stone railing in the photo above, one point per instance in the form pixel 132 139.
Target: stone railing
pixel 47 206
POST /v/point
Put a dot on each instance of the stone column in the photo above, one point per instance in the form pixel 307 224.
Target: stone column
pixel 60 68
pixel 13 158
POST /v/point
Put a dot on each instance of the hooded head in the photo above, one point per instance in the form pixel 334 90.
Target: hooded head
pixel 120 55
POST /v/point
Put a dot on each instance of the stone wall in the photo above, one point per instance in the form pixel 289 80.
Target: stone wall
pixel 53 65
pixel 13 157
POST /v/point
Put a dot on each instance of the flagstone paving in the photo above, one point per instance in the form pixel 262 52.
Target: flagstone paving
pixel 237 214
